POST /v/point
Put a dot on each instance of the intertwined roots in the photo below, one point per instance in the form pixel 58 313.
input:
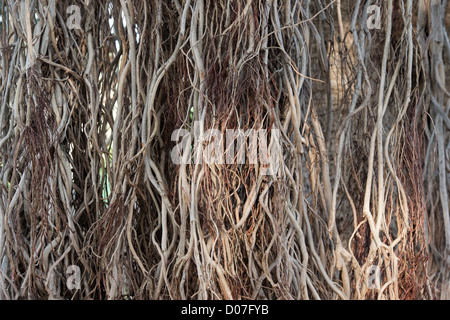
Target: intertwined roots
pixel 92 205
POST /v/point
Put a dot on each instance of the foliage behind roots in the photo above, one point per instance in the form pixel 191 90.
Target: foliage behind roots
pixel 87 117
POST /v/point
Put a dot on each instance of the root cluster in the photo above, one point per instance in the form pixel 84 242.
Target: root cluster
pixel 358 207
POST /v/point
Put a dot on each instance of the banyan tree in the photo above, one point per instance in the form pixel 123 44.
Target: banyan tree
pixel 128 132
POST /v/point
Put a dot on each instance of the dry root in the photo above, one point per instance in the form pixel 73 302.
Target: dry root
pixel 358 208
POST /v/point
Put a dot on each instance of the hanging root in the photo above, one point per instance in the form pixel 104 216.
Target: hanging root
pixel 134 149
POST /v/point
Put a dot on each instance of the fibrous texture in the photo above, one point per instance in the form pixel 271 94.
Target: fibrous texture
pixel 95 175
